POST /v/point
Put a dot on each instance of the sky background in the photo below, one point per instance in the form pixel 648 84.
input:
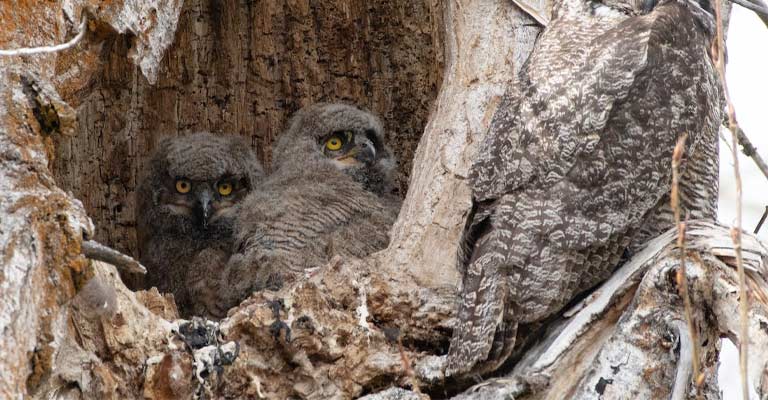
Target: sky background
pixel 747 75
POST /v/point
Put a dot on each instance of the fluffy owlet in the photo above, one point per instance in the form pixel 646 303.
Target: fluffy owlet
pixel 328 194
pixel 186 207
pixel 576 164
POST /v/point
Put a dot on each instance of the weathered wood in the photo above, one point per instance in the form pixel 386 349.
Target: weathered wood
pixel 117 107
pixel 100 252
pixel 41 226
pixel 629 339
pixel 486 44
pixel 243 67
pixel 73 330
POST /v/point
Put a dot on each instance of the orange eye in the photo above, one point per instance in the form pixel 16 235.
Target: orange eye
pixel 183 186
pixel 225 189
pixel 334 143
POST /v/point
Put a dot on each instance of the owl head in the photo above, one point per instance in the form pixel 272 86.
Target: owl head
pixel 346 137
pixel 192 182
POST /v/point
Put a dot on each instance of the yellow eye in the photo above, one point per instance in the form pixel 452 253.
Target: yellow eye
pixel 183 186
pixel 334 143
pixel 225 188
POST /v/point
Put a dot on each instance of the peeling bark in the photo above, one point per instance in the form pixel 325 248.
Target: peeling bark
pixel 40 231
pixel 372 327
pixel 646 352
pixel 240 67
pixel 41 226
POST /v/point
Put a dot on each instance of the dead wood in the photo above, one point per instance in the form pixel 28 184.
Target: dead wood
pixel 73 330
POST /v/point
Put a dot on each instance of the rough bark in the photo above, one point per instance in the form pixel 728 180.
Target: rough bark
pixel 486 44
pixel 41 226
pixel 308 59
pixel 243 67
pixel 629 340
pixel 357 327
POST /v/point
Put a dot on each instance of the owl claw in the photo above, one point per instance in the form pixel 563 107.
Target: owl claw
pixel 278 326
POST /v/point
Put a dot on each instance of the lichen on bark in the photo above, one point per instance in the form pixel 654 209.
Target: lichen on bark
pixel 84 119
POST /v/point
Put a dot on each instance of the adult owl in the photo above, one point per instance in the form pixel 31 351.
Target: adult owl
pixel 329 193
pixel 575 168
pixel 186 202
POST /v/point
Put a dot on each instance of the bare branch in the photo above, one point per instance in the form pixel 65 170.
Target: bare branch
pixel 750 150
pixel 762 220
pixel 719 58
pixel 97 251
pixel 726 302
pixel 26 51
pixel 760 8
pixel 682 278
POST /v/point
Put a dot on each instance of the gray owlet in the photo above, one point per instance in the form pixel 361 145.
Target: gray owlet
pixel 186 208
pixel 576 164
pixel 328 194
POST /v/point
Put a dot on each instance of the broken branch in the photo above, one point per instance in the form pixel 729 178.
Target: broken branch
pixel 757 6
pixel 26 51
pixel 97 251
pixel 762 220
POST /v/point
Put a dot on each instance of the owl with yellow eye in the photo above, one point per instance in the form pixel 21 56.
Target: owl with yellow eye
pixel 187 202
pixel 329 193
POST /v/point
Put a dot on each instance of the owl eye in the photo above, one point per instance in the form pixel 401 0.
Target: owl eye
pixel 334 143
pixel 183 186
pixel 225 188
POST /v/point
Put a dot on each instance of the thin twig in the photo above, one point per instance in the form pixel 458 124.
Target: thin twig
pixel 682 276
pixel 718 50
pixel 762 220
pixel 25 51
pixel 757 6
pixel 725 140
pixel 97 251
pixel 750 150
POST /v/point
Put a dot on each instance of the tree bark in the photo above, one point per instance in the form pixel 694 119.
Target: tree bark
pixel 243 67
pixel 41 226
pixel 629 339
pixel 89 116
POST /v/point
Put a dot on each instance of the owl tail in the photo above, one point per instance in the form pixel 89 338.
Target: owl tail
pixel 484 334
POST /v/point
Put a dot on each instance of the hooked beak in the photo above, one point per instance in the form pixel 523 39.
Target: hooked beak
pixel 363 153
pixel 203 208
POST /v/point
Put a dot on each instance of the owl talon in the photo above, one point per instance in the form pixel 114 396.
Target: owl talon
pixel 278 326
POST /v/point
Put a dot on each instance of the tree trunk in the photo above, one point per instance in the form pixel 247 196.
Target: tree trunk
pixel 88 117
pixel 243 67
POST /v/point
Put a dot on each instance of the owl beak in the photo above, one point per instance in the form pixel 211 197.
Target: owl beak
pixel 203 208
pixel 363 153
pixel 366 152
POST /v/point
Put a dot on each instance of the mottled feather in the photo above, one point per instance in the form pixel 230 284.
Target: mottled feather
pixel 311 207
pixel 576 164
pixel 173 241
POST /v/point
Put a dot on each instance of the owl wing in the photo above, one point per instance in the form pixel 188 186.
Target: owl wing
pixel 575 166
pixel 297 223
pixel 203 283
